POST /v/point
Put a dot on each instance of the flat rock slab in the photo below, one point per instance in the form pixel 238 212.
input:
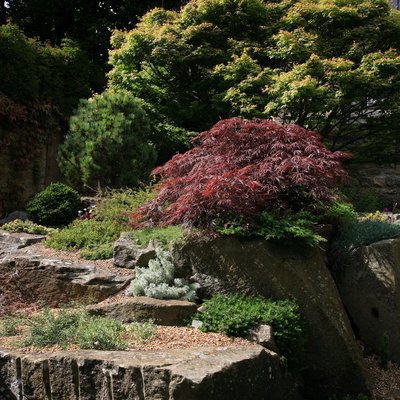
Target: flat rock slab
pixel 163 312
pixel 55 282
pixel 11 242
pixel 215 373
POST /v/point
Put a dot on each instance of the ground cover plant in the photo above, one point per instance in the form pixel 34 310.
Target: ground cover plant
pixel 27 226
pixel 242 171
pixel 235 314
pixel 74 327
pixel 95 237
pixel 162 235
pixel 360 233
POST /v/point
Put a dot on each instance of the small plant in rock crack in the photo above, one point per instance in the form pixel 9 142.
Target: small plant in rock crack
pixel 157 280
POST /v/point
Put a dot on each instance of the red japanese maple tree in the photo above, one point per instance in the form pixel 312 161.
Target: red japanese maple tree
pixel 238 169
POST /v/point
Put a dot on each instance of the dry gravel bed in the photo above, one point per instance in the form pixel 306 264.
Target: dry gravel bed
pixel 166 337
pixel 386 383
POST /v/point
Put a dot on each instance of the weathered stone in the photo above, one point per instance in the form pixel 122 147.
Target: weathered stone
pixel 56 282
pixel 22 215
pixel 369 288
pixel 128 253
pixel 217 373
pixel 333 360
pixel 263 335
pixel 163 312
pixel 384 180
pixel 197 324
pixel 11 242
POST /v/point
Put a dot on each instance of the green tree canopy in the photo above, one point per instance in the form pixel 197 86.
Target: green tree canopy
pixel 31 72
pixel 40 85
pixel 108 143
pixel 89 22
pixel 328 65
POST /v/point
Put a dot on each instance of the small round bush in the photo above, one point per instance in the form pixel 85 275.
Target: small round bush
pixel 56 205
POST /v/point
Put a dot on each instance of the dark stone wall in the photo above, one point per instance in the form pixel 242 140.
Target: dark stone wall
pixel 18 185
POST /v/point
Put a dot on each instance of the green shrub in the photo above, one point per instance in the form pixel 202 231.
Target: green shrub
pixel 339 212
pixel 114 204
pixel 95 237
pixel 108 143
pixel 360 233
pixel 49 328
pixel 101 334
pixel 157 281
pixel 98 252
pixel 56 205
pixel 71 326
pixel 10 326
pixel 234 315
pixel 291 225
pixel 27 226
pixel 91 235
pixel 143 331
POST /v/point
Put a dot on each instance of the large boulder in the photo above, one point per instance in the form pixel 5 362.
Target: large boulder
pixel 333 361
pixel 54 281
pixel 128 253
pixel 163 312
pixel 369 287
pixel 214 373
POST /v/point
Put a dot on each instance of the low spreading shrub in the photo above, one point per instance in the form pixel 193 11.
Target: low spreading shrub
pixel 10 326
pixel 101 333
pixel 27 226
pixel 74 326
pixel 360 233
pixel 95 236
pixel 57 205
pixel 143 331
pixel 157 280
pixel 290 225
pixel 48 328
pixel 338 213
pixel 163 235
pixel 234 315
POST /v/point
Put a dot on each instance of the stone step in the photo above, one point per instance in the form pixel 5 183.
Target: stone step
pixel 163 312
pixel 214 373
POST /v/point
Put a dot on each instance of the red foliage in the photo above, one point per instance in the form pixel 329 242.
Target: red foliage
pixel 240 168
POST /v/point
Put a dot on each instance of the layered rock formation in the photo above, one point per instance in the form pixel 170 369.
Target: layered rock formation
pixel 218 373
pixel 333 362
pixel 369 287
